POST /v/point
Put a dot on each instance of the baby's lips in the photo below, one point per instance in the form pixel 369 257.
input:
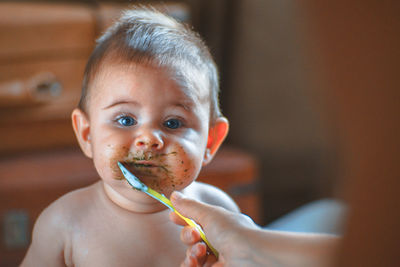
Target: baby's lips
pixel 136 157
pixel 148 156
pixel 145 163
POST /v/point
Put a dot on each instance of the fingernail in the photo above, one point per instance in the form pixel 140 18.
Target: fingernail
pixel 194 252
pixel 189 235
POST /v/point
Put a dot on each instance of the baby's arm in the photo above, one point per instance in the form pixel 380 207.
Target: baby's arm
pixel 47 246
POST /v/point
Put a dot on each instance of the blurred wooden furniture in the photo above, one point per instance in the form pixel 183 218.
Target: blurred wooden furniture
pixel 31 182
pixel 43 52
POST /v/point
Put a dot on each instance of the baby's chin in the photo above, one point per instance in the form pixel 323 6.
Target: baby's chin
pixel 165 184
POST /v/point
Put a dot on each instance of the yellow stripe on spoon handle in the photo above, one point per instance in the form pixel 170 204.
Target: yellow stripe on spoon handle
pixel 187 220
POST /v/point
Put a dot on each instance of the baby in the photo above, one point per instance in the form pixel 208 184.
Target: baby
pixel 150 101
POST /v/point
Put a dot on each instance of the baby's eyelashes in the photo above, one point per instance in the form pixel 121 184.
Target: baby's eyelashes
pixel 173 123
pixel 126 121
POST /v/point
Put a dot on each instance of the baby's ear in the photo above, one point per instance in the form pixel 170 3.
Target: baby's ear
pixel 216 135
pixel 81 125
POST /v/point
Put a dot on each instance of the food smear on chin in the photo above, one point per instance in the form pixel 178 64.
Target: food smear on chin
pixel 156 174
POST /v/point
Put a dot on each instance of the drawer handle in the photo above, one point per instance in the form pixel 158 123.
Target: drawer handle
pixel 40 88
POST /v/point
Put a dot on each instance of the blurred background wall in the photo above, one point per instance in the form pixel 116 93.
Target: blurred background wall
pixel 272 104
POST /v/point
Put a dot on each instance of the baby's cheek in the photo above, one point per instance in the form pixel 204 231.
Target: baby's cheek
pixel 187 170
pixel 111 156
pixel 182 172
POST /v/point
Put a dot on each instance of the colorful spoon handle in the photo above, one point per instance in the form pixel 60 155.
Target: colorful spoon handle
pixel 190 222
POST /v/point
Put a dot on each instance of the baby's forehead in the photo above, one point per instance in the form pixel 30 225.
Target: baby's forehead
pixel 192 83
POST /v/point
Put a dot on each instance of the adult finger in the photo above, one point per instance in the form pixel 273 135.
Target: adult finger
pixel 189 261
pixel 189 235
pixel 208 216
pixel 177 219
pixel 210 261
pixel 197 254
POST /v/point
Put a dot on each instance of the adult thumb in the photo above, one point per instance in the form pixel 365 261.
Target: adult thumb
pixel 206 215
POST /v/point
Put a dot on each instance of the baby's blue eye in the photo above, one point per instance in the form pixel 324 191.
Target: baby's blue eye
pixel 173 123
pixel 126 121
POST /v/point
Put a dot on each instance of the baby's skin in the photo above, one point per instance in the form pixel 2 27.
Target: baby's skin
pixel 139 116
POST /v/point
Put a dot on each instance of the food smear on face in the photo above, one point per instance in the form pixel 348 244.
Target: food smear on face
pixel 153 169
pixel 118 154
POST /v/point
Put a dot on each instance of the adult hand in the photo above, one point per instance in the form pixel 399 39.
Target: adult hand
pixel 240 242
pixel 227 231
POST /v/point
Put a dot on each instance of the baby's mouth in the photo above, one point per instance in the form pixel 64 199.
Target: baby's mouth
pixel 148 165
pixel 142 164
pixel 146 168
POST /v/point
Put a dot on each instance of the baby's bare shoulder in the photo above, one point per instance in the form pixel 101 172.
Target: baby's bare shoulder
pixel 211 195
pixel 65 212
pixel 52 229
pixel 71 205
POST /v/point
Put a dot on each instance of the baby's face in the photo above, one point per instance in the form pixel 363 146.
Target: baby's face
pixel 140 116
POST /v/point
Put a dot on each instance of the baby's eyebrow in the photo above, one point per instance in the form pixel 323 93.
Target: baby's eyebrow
pixel 187 103
pixel 186 106
pixel 121 102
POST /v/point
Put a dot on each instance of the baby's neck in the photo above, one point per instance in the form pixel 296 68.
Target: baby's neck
pixel 145 203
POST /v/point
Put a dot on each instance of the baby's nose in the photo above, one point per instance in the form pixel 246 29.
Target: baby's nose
pixel 149 140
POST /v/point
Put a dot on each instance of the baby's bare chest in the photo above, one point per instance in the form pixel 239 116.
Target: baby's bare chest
pixel 118 243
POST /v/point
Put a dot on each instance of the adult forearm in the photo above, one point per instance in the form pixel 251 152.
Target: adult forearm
pixel 293 249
